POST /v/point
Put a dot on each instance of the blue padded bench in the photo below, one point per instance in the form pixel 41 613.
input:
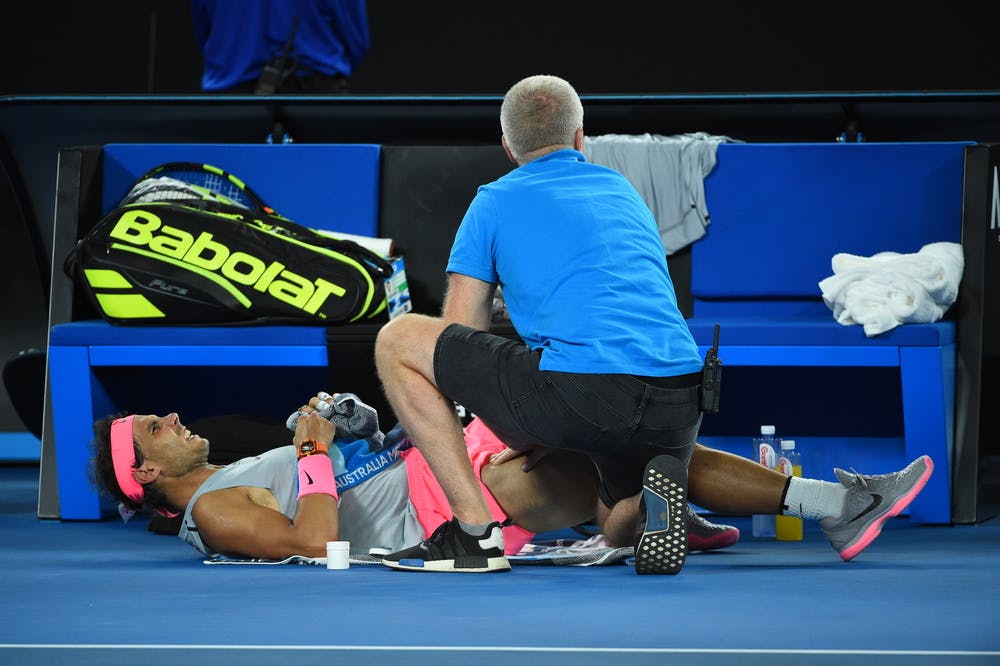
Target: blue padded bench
pixel 323 186
pixel 779 212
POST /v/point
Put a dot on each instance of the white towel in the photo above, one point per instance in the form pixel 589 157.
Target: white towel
pixel 383 247
pixel 888 289
pixel 595 551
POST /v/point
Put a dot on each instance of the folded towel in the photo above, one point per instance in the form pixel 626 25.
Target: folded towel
pixel 359 559
pixel 383 247
pixel 595 551
pixel 888 289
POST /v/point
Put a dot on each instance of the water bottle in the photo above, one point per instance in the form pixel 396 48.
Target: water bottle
pixel 789 528
pixel 765 454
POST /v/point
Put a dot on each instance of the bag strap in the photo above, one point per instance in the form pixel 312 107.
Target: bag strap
pixel 209 176
pixel 376 265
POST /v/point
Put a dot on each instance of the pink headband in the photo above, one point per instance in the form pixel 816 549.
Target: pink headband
pixel 123 459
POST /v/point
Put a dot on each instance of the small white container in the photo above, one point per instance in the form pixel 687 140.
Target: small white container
pixel 338 554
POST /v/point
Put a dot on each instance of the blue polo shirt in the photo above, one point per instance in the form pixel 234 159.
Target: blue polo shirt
pixel 582 267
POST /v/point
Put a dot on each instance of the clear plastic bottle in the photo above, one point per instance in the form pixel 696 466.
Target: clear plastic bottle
pixel 789 528
pixel 765 454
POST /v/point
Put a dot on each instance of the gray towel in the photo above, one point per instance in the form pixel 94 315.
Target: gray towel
pixel 353 418
pixel 668 172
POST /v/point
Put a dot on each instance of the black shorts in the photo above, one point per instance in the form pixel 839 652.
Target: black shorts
pixel 619 421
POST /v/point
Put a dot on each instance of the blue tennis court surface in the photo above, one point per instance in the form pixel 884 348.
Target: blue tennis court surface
pixel 104 593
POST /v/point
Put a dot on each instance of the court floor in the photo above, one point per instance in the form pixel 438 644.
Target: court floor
pixel 106 593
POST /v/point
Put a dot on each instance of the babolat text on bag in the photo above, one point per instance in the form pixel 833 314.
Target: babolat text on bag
pixel 192 244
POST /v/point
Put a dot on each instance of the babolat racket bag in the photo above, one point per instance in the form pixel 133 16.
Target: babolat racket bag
pixel 192 244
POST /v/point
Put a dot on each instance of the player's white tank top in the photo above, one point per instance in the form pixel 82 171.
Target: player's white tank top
pixel 375 513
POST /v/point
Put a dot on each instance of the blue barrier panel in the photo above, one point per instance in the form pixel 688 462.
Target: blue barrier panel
pixel 324 186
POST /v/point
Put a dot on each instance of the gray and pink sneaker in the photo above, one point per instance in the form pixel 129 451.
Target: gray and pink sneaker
pixel 870 502
pixel 703 534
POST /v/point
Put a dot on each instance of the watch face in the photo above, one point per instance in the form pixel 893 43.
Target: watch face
pixel 308 447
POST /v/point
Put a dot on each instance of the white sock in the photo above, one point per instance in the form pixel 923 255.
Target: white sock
pixel 812 498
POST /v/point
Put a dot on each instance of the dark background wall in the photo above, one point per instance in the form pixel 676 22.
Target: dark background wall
pixel 465 47
pixel 457 46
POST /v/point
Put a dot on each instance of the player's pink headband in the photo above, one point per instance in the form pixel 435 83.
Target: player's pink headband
pixel 123 459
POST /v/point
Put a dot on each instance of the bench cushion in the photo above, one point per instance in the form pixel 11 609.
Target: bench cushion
pixel 86 333
pixel 805 331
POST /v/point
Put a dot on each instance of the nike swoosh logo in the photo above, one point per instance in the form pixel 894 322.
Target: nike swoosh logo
pixel 876 500
pixel 311 480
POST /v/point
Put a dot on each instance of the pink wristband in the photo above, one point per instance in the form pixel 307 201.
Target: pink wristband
pixel 316 476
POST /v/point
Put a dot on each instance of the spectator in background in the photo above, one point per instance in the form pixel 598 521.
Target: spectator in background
pixel 280 46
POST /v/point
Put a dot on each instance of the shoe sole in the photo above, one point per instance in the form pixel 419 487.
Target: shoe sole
pixel 662 548
pixel 868 535
pixel 492 565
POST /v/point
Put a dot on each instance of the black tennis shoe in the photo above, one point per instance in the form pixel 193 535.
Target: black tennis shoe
pixel 450 548
pixel 661 543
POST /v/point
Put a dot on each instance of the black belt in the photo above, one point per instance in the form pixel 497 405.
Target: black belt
pixel 677 381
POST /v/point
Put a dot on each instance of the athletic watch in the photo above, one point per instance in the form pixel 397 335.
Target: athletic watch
pixel 311 446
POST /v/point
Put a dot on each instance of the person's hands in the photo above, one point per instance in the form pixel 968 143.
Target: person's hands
pixel 531 456
pixel 313 426
pixel 322 400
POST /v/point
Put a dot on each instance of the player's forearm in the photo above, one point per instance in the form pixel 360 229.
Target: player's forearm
pixel 316 519
pixel 316 522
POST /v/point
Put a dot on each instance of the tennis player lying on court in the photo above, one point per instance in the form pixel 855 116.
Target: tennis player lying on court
pixel 378 492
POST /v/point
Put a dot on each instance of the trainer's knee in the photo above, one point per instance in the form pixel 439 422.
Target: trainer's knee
pixel 405 336
pixel 387 342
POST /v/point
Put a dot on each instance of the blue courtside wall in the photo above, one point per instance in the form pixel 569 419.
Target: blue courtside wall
pixel 780 211
pixel 324 186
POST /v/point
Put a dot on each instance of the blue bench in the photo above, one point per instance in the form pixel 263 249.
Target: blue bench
pixel 779 212
pixel 323 186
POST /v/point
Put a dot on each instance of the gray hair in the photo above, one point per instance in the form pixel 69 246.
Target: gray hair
pixel 538 112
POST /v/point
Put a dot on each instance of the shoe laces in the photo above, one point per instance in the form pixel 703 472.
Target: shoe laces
pixel 859 479
pixel 866 479
pixel 437 537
